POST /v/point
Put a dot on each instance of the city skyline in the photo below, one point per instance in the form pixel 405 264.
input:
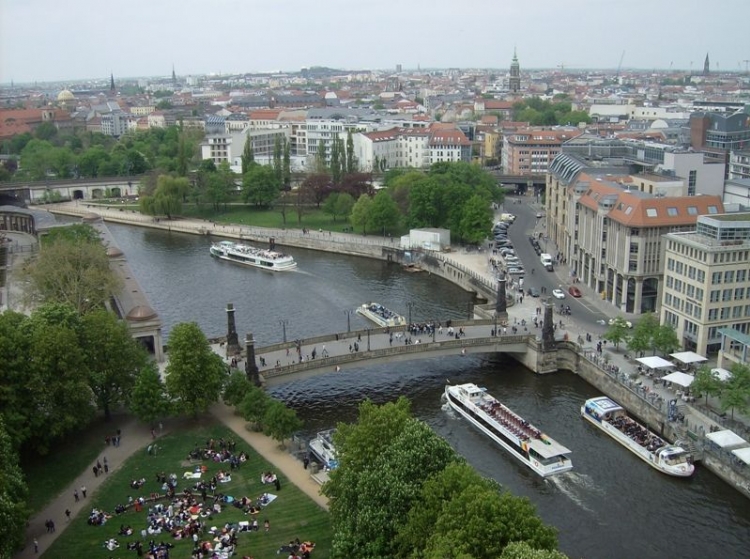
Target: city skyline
pixel 79 40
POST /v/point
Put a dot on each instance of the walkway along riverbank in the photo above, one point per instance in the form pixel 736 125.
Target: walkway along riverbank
pixel 611 375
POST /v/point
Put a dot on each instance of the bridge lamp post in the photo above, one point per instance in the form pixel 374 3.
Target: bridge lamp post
pixel 368 339
pixel 283 323
pixel 410 306
pixel 434 328
pixel 348 313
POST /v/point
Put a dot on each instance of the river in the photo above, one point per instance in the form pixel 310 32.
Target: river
pixel 611 506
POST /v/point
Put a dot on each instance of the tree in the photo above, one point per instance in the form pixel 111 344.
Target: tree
pixel 91 160
pixel 665 339
pixel 15 347
pixel 337 159
pixel 338 204
pixel 183 155
pixel 113 357
pixel 319 186
pixel 280 422
pixel 195 374
pixel 248 156
pixel 37 159
pixel 321 157
pixel 45 131
pixel 149 401
pixel 706 382
pixel 736 392
pixel 522 550
pixel 278 169
pixel 476 219
pixel 75 272
pixel 167 198
pixel 260 186
pixel 14 512
pixel 361 213
pixel 302 201
pixel 219 186
pixel 287 172
pixel 236 388
pixel 254 405
pixel 383 213
pixel 617 331
pixel 351 160
pixel 643 334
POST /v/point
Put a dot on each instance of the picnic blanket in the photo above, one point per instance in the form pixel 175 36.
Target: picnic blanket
pixel 191 475
pixel 270 498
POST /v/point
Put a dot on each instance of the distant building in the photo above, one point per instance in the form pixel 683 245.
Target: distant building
pixel 739 165
pixel 530 151
pixel 706 66
pixel 706 294
pixel 514 82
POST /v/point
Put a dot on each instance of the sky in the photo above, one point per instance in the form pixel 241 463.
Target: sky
pixel 59 40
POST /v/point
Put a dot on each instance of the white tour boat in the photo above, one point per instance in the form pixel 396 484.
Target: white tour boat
pixel 380 315
pixel 252 256
pixel 612 418
pixel 516 435
pixel 323 451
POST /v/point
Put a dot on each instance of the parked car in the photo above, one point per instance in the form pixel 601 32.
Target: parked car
pixel 539 215
pixel 558 294
pixel 516 271
pixel 533 291
pixel 574 291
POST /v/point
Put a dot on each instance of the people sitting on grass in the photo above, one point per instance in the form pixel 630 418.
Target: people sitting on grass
pixel 98 517
pixel 267 477
pixel 297 549
pixel 125 530
pixel 137 483
pixel 111 544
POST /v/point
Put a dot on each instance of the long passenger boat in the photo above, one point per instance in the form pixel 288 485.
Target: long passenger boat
pixel 612 418
pixel 380 315
pixel 252 256
pixel 520 438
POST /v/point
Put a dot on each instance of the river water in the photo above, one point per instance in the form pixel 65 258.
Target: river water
pixel 610 506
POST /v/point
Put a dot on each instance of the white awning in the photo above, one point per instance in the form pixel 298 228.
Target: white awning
pixel 726 439
pixel 743 454
pixel 680 378
pixel 722 374
pixel 688 357
pixel 655 362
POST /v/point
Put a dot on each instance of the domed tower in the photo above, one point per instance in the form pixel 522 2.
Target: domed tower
pixel 66 99
pixel 514 83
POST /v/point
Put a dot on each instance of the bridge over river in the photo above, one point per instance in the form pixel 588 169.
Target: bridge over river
pixel 280 363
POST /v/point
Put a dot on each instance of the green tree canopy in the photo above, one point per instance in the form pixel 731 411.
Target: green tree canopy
pixel 361 213
pixel 476 219
pixel 236 388
pixel 149 401
pixel 706 382
pixel 338 204
pixel 260 186
pixel 280 422
pixel 665 339
pixel 736 392
pixel 254 405
pixel 642 338
pixel 72 268
pixel 167 198
pixel 383 214
pixel 13 494
pixel 618 331
pixel 195 374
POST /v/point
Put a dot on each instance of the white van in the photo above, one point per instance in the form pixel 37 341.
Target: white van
pixel 546 259
pixel 508 218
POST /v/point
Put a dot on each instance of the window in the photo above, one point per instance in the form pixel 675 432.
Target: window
pixel 739 293
pixel 651 212
pixel 726 295
pixel 737 311
pixel 670 281
pixel 724 315
pixel 692 180
pixel 716 277
pixel 699 294
pixel 672 212
pixel 713 210
pixel 692 210
pixel 701 276
pixel 729 276
pixel 741 275
pixel 715 296
pixel 713 314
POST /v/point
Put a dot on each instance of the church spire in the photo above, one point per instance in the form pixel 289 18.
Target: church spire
pixel 112 88
pixel 706 66
pixel 174 76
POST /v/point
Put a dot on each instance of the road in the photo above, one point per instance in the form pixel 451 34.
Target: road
pixel 584 310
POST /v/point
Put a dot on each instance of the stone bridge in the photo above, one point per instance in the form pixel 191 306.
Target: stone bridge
pixel 280 363
pixel 35 192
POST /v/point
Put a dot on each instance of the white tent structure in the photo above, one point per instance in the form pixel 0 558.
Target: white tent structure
pixel 688 357
pixel 726 439
pixel 723 374
pixel 655 362
pixel 683 379
pixel 743 454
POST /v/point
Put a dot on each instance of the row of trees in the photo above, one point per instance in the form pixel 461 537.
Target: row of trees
pixel 401 491
pixel 540 112
pixel 733 392
pixel 49 152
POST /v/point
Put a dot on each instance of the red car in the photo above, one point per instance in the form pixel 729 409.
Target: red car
pixel 574 291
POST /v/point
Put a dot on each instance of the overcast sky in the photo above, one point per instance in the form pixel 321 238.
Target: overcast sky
pixel 47 40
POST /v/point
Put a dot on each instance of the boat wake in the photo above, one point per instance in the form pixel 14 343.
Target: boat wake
pixel 575 486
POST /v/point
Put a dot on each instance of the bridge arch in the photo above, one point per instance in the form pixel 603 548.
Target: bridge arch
pixel 78 194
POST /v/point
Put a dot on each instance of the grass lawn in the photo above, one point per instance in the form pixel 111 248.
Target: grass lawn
pixel 292 515
pixel 48 475
pixel 313 218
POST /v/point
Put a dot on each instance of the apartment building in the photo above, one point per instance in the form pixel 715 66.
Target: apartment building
pixel 611 232
pixel 117 123
pixel 230 147
pixel 706 295
pixel 530 151
pixel 739 164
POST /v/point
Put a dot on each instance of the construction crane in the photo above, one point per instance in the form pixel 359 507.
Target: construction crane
pixel 617 74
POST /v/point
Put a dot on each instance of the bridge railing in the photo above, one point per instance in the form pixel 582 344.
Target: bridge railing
pixel 489 285
pixel 461 343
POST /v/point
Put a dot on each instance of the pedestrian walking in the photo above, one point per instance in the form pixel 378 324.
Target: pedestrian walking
pixel 75 494
pixel 266 525
pixel 153 433
pixel 161 427
pixel 106 468
pixel 52 526
pixel 95 469
pixel 67 514
pixel 36 546
pixel 83 491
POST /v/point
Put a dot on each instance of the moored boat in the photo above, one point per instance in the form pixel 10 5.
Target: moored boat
pixel 252 256
pixel 521 439
pixel 614 420
pixel 323 451
pixel 380 315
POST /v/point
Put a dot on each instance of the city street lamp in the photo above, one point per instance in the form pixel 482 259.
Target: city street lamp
pixel 368 339
pixel 434 327
pixel 283 323
pixel 495 323
pixel 348 313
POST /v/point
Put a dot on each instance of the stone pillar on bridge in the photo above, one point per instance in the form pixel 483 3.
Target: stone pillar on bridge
pixel 501 305
pixel 251 367
pixel 548 328
pixel 233 342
